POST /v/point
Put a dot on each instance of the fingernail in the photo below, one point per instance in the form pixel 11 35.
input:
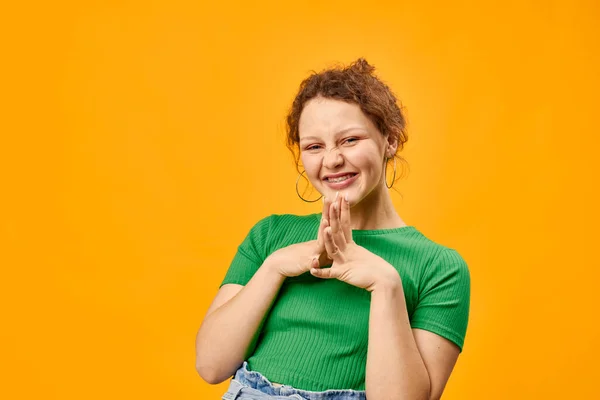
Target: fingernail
pixel 324 199
pixel 336 196
pixel 346 197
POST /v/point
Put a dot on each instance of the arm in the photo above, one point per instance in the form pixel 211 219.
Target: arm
pixel 395 368
pixel 231 323
pixel 404 363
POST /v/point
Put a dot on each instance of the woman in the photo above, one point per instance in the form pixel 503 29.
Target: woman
pixel 351 302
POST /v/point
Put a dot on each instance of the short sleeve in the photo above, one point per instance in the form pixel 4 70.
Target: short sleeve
pixel 250 254
pixel 444 298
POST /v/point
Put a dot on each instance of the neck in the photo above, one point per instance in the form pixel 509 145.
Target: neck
pixel 376 211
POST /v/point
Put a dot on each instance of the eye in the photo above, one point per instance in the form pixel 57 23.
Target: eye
pixel 313 147
pixel 350 140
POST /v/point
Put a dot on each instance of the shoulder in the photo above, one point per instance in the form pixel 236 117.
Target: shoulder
pixel 290 228
pixel 438 259
pixel 448 269
pixel 438 252
pixel 279 230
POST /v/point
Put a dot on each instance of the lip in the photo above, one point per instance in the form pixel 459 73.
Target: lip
pixel 340 185
pixel 338 175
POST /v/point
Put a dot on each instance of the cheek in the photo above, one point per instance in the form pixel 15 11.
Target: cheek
pixel 311 166
pixel 365 161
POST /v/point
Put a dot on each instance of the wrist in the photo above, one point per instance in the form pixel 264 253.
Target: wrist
pixel 271 267
pixel 387 282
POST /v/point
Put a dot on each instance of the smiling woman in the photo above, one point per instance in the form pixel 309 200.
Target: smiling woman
pixel 351 302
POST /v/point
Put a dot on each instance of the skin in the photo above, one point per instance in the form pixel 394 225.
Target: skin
pixel 335 137
pixel 402 363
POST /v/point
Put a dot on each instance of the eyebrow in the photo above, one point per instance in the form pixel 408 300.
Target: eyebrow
pixel 345 130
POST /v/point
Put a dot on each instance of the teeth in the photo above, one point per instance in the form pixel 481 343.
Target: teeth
pixel 340 179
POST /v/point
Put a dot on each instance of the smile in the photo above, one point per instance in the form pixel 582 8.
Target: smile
pixel 340 178
pixel 340 182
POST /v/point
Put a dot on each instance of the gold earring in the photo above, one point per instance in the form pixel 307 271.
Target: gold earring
pixel 298 192
pixel 385 173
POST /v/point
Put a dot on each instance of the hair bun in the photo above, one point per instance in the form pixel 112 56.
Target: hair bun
pixel 362 66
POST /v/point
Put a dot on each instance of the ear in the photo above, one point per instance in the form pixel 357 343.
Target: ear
pixel 392 145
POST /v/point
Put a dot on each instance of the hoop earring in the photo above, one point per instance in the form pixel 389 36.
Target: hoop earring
pixel 298 192
pixel 385 174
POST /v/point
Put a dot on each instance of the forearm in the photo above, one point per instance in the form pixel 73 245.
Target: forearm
pixel 395 369
pixel 226 335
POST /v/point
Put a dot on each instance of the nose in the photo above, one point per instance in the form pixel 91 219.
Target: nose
pixel 331 161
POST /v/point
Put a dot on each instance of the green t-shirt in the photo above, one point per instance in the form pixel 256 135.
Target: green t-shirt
pixel 315 335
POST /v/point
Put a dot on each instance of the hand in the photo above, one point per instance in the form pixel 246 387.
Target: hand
pixel 352 263
pixel 298 258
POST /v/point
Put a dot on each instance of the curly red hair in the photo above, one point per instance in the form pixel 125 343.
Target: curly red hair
pixel 355 83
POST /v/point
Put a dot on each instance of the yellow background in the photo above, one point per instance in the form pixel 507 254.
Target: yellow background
pixel 142 140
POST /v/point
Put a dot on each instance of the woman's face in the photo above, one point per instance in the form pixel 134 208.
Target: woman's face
pixel 341 149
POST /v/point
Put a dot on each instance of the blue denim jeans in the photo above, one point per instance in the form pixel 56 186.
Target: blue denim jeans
pixel 251 385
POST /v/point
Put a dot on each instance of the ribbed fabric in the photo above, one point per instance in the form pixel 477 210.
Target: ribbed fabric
pixel 316 334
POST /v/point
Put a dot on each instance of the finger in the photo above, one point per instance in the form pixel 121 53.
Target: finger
pixel 325 273
pixel 324 223
pixel 326 204
pixel 314 263
pixel 334 215
pixel 321 235
pixel 336 224
pixel 333 250
pixel 345 219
